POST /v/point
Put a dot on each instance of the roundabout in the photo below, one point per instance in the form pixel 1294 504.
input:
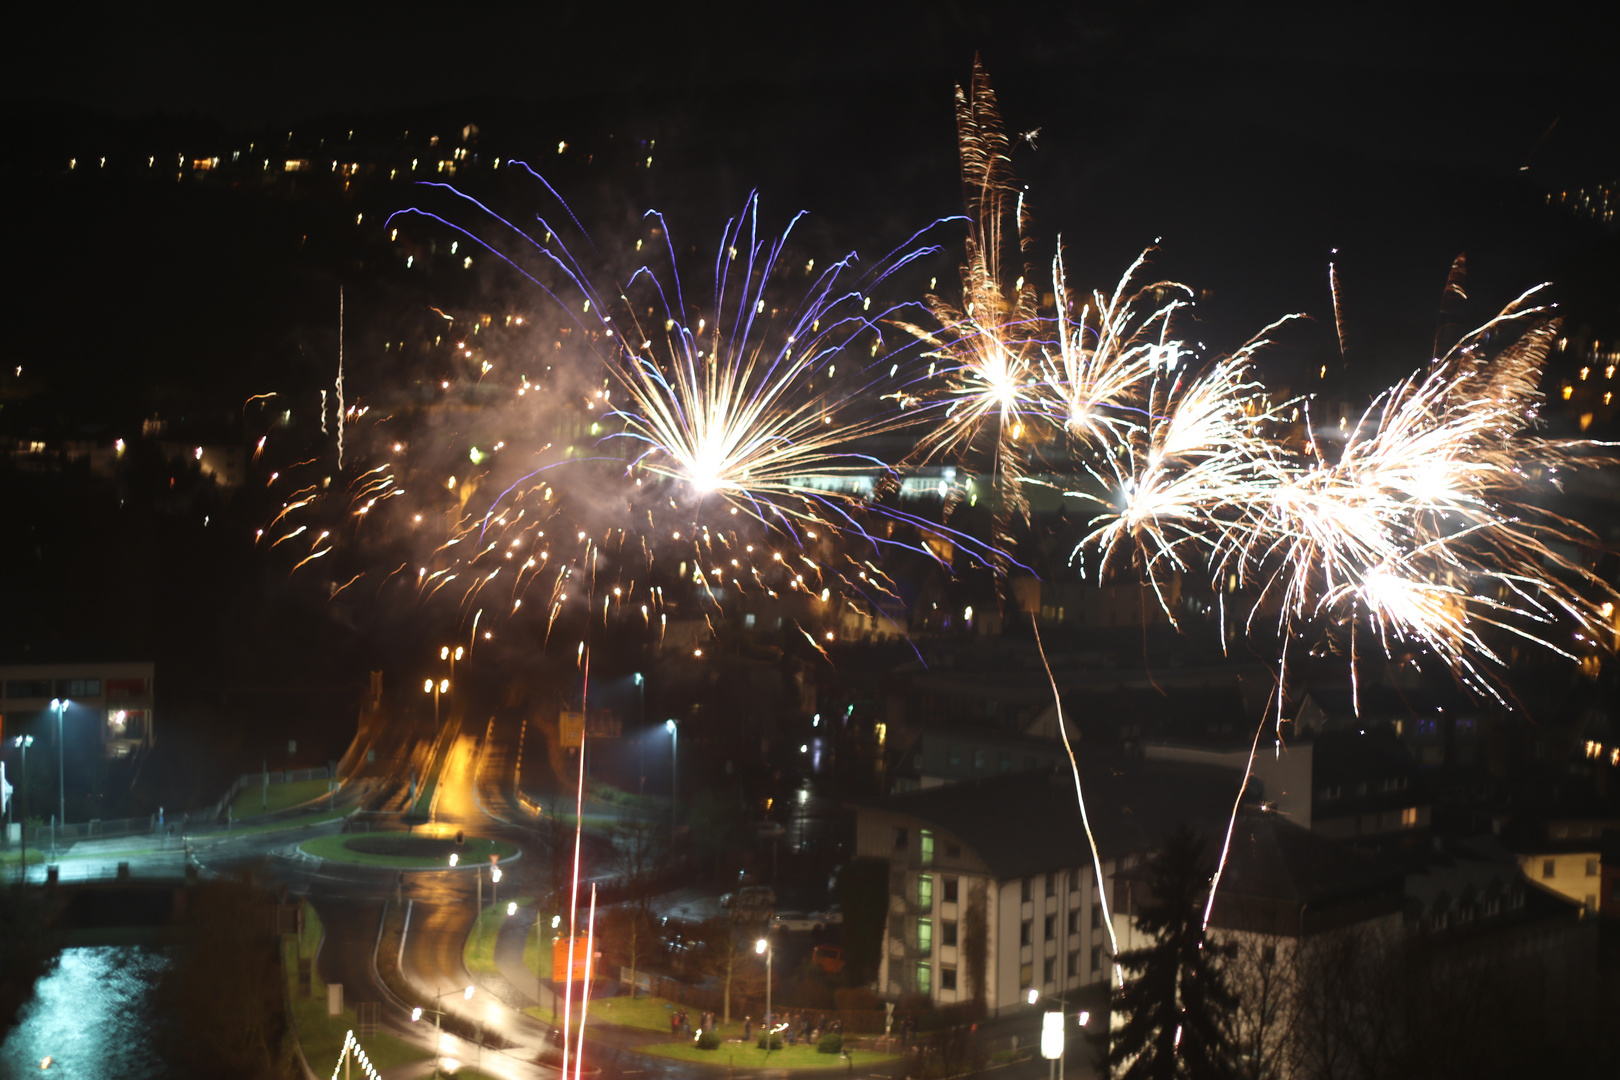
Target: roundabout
pixel 408 851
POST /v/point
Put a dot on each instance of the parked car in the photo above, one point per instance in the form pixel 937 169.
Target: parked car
pixel 797 922
pixel 833 916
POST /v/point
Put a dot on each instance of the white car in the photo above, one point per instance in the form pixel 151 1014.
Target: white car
pixel 797 922
pixel 833 916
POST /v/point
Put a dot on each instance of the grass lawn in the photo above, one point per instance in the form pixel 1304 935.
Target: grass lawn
pixel 534 944
pixel 322 1036
pixel 276 826
pixel 648 1013
pixel 737 1055
pixel 600 791
pixel 251 799
pixel 14 855
pixel 403 850
pixel 479 953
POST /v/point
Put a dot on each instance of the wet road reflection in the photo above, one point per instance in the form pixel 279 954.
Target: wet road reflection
pixel 90 1017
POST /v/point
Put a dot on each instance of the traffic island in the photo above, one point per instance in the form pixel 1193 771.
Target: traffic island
pixel 407 851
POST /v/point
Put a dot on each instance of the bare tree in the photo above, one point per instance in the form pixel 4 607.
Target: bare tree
pixel 1265 985
pixel 638 856
pixel 729 957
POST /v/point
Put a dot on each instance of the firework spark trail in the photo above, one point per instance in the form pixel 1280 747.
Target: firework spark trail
pixel 1092 388
pixel 1425 506
pixel 585 998
pixel 987 342
pixel 1080 798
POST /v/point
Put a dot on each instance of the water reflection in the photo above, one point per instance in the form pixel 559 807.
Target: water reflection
pixel 90 1016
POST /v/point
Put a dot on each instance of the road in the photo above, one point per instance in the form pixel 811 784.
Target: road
pixel 477 794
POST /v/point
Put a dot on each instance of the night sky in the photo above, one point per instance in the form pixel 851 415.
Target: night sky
pixel 1253 139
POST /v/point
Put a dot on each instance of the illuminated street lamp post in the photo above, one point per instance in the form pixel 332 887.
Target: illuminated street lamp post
pixel 59 706
pixel 763 945
pixel 438 1022
pixel 674 770
pixel 452 655
pixel 24 742
pixel 436 688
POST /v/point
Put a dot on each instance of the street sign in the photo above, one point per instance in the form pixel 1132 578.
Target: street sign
pixel 572 725
pixel 559 959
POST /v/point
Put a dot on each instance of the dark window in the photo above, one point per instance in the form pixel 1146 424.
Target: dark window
pixel 1023 932
pixel 899 839
pixel 1006 763
pixel 1268 955
pixel 1074 964
pixel 1049 969
pixel 1546 868
pixel 1049 929
pixel 1074 919
pixel 947 933
pixel 79 688
pixel 953 849
pixel 947 978
pixel 28 688
pixel 1591 868
pixel 1024 890
pixel 1096 916
pixel 950 889
pixel 1096 957
pixel 952 755
pixel 979 760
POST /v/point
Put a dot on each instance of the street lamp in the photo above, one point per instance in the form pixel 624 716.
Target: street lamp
pixel 674 770
pixel 24 741
pixel 436 688
pixel 452 655
pixel 438 1021
pixel 1052 1040
pixel 59 706
pixel 763 945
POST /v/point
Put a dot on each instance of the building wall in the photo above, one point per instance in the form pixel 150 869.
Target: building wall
pixel 1574 875
pixel 116 698
pixel 1012 966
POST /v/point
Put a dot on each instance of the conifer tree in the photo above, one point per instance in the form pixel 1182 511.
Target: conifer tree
pixel 1175 1007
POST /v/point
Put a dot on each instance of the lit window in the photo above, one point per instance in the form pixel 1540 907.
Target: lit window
pixel 1585 371
pixel 926 844
pixel 925 977
pixel 925 935
pixel 925 891
pixel 1409 817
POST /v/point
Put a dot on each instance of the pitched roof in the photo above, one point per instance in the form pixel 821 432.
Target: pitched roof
pixel 1273 858
pixel 1029 823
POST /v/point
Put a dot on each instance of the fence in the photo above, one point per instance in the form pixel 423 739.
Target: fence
pixel 40 835
pixel 280 776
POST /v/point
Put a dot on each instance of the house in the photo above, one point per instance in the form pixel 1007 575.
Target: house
pixel 110 704
pixel 992 884
pixel 1562 853
pixel 948 753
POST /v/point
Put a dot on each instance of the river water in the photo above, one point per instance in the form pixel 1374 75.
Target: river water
pixel 89 1016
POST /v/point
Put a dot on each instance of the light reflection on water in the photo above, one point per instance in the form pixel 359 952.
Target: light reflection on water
pixel 90 1016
